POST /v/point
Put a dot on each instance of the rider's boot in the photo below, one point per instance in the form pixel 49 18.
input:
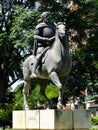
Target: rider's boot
pixel 33 74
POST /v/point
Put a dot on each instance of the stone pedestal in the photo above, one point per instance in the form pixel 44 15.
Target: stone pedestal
pixel 19 119
pixel 51 120
pixel 23 120
pixel 81 119
pixel 55 119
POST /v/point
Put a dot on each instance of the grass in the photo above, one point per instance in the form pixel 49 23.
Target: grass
pixel 93 129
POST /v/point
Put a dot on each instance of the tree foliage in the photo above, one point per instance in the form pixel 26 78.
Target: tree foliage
pixel 85 61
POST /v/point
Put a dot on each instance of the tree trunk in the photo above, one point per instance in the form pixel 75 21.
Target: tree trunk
pixel 3 88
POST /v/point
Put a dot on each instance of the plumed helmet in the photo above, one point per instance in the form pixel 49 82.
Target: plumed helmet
pixel 45 15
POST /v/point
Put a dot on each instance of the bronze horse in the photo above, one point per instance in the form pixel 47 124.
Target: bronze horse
pixel 56 67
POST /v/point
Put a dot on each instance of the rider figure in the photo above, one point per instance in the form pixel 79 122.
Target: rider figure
pixel 43 38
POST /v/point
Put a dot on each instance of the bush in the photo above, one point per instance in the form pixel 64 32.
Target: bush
pixel 94 120
pixel 6 116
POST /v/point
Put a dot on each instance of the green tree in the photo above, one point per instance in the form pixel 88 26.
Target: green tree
pixel 85 61
pixel 14 46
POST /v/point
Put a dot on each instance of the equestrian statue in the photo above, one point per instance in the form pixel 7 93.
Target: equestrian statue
pixel 50 60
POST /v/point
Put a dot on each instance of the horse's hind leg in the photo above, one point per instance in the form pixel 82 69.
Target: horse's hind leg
pixel 25 92
pixel 43 84
pixel 46 98
pixel 54 77
pixel 26 86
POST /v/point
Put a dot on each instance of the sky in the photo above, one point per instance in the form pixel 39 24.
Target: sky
pixel 16 84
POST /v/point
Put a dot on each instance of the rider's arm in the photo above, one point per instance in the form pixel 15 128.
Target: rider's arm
pixel 52 38
pixel 38 37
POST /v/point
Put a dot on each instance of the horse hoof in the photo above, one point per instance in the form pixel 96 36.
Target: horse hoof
pixel 26 108
pixel 60 106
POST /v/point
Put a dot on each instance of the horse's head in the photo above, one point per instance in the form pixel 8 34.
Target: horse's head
pixel 61 29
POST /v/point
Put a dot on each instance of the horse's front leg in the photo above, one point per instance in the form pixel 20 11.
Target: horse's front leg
pixel 54 77
pixel 60 100
pixel 46 98
pixel 25 92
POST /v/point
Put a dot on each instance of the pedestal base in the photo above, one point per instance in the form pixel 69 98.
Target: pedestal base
pixel 52 120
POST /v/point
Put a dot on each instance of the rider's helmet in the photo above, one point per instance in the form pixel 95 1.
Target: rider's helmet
pixel 45 16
